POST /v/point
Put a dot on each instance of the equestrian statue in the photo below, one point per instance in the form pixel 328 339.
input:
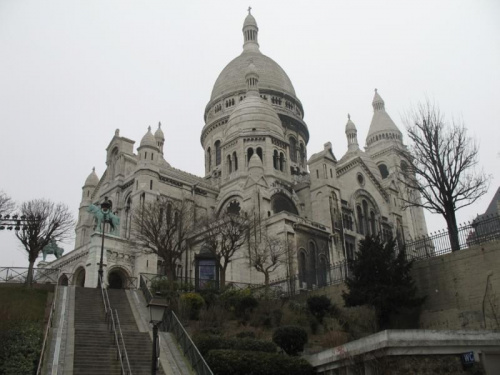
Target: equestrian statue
pixel 52 248
pixel 103 215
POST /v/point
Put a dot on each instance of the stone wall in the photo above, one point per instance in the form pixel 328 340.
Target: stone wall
pixel 462 289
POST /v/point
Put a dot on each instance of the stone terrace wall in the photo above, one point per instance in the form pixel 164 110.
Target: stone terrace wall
pixel 462 288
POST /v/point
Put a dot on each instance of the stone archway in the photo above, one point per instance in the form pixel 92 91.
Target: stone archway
pixel 63 280
pixel 117 278
pixel 79 277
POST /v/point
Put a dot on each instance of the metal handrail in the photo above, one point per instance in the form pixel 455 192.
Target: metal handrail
pixel 173 325
pixel 47 330
pixel 109 313
pixel 123 341
pixel 189 348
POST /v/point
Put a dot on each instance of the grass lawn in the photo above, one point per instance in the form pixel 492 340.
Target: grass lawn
pixel 20 304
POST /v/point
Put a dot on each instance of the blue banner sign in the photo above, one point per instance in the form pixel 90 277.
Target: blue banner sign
pixel 467 358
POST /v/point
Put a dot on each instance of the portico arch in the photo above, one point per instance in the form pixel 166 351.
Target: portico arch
pixel 117 278
pixel 79 276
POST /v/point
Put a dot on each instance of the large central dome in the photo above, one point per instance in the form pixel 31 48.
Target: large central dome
pixel 232 77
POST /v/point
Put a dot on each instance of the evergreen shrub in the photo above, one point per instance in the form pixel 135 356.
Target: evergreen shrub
pixel 234 362
pixel 291 339
pixel 208 343
pixel 193 303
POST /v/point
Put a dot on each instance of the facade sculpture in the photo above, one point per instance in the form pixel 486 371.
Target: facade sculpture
pixel 256 162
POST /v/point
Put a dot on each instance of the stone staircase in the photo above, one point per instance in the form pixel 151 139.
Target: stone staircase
pixel 95 348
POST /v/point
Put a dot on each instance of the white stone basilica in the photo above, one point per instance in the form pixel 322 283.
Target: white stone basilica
pixel 256 159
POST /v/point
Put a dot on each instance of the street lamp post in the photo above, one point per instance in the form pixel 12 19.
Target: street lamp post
pixel 105 207
pixel 157 307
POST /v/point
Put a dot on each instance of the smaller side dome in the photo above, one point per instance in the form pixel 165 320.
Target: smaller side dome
pixel 148 139
pixel 255 163
pixel 250 20
pixel 159 133
pixel 92 179
pixel 352 135
pixel 350 125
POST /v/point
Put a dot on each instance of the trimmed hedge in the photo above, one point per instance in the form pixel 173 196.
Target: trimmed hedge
pixel 20 347
pixel 208 343
pixel 235 362
pixel 291 339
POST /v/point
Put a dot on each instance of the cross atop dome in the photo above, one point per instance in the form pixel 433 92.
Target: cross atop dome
pixel 250 33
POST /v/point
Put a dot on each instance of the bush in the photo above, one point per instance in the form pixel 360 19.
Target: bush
pixel 240 302
pixel 208 343
pixel 319 306
pixel 233 362
pixel 291 339
pixel 20 347
pixel 193 303
pixel 246 335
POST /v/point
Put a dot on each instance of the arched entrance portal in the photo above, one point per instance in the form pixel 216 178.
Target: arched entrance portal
pixel 79 277
pixel 63 280
pixel 117 279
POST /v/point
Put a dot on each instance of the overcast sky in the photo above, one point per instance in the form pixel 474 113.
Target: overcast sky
pixel 71 72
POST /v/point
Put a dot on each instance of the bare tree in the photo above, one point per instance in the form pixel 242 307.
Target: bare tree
pixel 441 166
pixel 6 204
pixel 224 236
pixel 163 227
pixel 48 221
pixel 267 253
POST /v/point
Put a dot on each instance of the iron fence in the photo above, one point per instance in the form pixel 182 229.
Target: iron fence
pixel 20 274
pixel 481 230
pixel 172 324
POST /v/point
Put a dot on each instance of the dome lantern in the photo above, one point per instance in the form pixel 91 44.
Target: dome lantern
pixel 352 135
pixel 250 33
pixel 252 79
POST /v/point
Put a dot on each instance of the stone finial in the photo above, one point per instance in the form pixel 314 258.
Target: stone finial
pixel 249 10
pixel 117 132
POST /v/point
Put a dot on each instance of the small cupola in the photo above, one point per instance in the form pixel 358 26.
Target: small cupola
pixel 160 138
pixel 250 33
pixel 352 135
pixel 252 80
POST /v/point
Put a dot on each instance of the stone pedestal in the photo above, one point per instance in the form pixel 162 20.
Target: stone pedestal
pixel 93 259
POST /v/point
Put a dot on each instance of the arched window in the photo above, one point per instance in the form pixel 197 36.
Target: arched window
pixel 404 167
pixel 249 154
pixel 302 266
pixel 209 158
pixel 229 165
pixel 235 161
pixel 322 271
pixel 282 162
pixel 359 212
pixel 169 214
pixel 312 262
pixel 302 155
pixel 280 202
pixel 217 153
pixel 366 217
pixel 384 172
pixel 293 149
pixel 233 208
pixel 276 159
pixel 259 153
pixel 372 223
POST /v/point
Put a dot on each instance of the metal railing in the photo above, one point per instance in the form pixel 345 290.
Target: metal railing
pixel 114 326
pixel 174 326
pixel 191 352
pixel 47 330
pixel 20 274
pixel 481 230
